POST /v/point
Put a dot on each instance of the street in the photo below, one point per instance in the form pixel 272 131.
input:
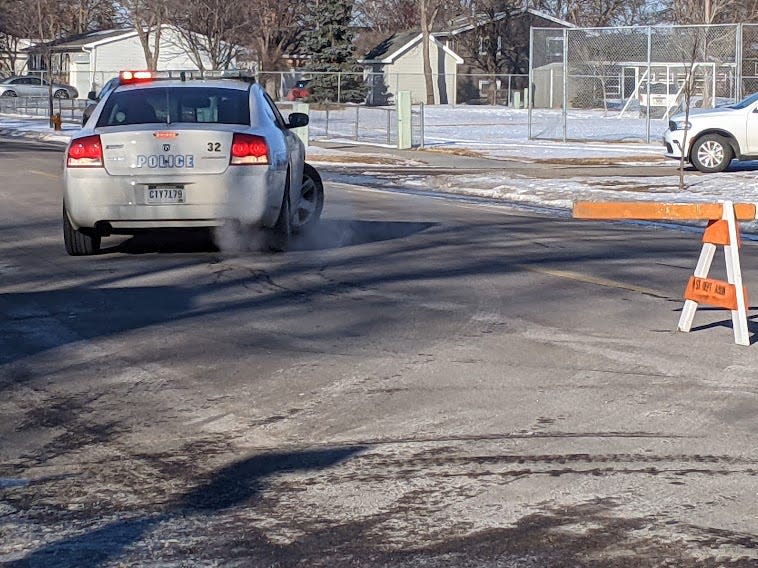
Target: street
pixel 427 381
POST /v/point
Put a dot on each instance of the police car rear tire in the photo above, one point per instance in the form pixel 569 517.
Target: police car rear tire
pixel 279 234
pixel 79 242
pixel 311 204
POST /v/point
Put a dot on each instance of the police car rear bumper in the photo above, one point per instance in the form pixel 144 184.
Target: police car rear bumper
pixel 249 194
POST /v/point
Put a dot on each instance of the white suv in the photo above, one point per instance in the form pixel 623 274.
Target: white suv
pixel 715 136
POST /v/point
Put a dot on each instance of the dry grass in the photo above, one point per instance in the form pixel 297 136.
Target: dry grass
pixel 456 152
pixel 600 160
pixel 355 159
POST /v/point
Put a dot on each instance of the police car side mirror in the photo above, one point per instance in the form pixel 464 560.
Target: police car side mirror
pixel 297 119
pixel 92 95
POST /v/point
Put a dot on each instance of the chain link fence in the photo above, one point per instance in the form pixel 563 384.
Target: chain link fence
pixel 618 84
pixel 69 109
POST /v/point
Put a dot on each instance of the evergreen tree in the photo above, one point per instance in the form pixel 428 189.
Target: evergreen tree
pixel 329 43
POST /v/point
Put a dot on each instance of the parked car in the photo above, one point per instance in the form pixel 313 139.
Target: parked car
pixel 299 91
pixel 94 97
pixel 714 137
pixel 168 153
pixel 30 86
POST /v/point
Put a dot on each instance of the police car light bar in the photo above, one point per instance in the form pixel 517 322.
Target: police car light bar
pixel 130 77
pixel 126 77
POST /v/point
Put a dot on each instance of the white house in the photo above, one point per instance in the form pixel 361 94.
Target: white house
pixel 89 60
pixel 13 57
pixel 396 64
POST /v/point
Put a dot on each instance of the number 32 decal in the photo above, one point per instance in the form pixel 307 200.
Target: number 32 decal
pixel 214 146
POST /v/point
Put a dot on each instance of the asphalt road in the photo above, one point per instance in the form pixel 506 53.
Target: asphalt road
pixel 426 382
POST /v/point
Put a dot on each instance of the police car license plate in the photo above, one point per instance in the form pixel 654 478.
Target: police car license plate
pixel 162 195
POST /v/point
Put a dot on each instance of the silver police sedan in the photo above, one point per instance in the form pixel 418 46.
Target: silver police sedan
pixel 187 153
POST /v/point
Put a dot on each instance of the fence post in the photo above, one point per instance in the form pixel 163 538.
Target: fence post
pixel 357 120
pixel 389 127
pixel 647 83
pixel 422 125
pixel 531 79
pixel 339 87
pixel 738 61
pixel 326 106
pixel 565 85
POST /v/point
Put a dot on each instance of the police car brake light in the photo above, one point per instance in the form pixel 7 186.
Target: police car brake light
pixel 127 77
pixel 248 149
pixel 86 152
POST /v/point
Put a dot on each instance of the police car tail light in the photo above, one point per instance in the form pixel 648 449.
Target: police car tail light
pixel 248 149
pixel 85 152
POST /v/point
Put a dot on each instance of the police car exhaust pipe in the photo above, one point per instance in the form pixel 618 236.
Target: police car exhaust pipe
pixel 104 228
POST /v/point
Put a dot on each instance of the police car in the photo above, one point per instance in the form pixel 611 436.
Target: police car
pixel 163 152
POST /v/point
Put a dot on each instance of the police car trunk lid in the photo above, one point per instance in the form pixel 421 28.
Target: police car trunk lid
pixel 163 150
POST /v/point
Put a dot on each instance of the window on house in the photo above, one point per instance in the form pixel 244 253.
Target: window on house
pixel 554 49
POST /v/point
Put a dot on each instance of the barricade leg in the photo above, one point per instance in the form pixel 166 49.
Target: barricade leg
pixel 701 271
pixel 734 276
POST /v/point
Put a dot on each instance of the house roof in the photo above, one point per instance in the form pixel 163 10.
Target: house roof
pixel 394 46
pixel 80 41
pixel 390 49
pixel 88 40
pixel 466 23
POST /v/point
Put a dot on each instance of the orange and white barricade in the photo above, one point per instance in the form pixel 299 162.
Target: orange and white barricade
pixel 722 230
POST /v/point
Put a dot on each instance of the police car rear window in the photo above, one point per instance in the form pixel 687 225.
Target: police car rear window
pixel 195 105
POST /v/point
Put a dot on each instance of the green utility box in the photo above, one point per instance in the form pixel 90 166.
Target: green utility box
pixel 404 121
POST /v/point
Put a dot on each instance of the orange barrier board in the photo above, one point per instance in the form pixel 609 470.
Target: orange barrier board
pixel 722 230
pixel 713 292
pixel 654 211
pixel 717 233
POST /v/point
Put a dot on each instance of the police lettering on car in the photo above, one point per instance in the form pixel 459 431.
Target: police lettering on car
pixel 165 161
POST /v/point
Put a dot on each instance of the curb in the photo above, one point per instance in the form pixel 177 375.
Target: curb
pixel 31 135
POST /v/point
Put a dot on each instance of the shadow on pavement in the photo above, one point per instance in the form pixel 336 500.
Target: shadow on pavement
pixel 330 234
pixel 237 484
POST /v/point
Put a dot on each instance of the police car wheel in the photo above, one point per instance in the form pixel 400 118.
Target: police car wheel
pixel 311 203
pixel 79 242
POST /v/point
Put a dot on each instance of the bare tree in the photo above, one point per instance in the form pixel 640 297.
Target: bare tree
pixel 379 19
pixel 147 17
pixel 386 17
pixel 80 16
pixel 597 13
pixel 493 39
pixel 210 29
pixel 432 13
pixel 707 11
pixel 16 24
pixel 689 43
pixel 44 23
pixel 276 27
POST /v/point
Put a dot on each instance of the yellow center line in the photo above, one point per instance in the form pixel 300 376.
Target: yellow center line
pixel 39 173
pixel 598 281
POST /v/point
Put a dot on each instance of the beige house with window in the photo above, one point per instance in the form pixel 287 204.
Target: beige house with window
pixel 396 64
